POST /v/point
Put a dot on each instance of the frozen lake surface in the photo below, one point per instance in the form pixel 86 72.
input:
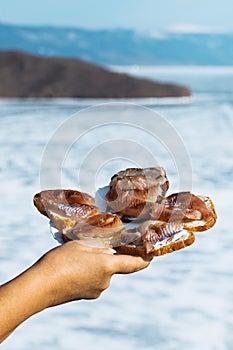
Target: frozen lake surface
pixel 183 300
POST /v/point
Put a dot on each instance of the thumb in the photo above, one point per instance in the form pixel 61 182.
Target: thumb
pixel 125 264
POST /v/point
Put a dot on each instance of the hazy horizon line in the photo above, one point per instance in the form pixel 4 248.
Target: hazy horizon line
pixel 180 28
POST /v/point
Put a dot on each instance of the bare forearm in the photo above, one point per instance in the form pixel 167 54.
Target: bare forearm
pixel 21 298
pixel 70 272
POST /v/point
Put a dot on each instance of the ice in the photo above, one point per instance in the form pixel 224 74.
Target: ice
pixel 183 300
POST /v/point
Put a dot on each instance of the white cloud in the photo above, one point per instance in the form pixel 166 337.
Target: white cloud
pixel 193 28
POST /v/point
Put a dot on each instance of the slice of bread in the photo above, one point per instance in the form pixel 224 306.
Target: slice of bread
pixel 178 241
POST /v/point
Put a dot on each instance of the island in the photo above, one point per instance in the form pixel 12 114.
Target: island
pixel 26 75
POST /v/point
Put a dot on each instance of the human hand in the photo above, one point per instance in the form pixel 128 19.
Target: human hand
pixel 77 272
pixel 69 272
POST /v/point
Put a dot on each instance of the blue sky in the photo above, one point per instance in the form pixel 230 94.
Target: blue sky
pixel 142 15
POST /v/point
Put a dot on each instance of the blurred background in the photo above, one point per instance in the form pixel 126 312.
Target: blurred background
pixel 171 57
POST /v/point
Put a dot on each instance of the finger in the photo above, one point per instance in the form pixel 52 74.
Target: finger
pixel 128 264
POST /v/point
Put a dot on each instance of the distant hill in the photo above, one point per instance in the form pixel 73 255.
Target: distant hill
pixel 26 75
pixel 120 46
